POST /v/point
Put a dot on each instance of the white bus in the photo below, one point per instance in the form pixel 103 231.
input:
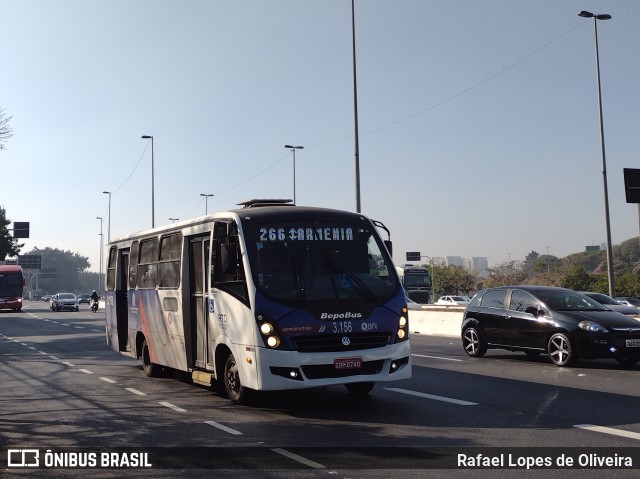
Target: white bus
pixel 269 296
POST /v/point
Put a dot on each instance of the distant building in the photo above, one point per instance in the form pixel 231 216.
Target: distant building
pixel 478 265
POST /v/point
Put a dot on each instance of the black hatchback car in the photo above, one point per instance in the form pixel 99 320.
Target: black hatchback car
pixel 561 322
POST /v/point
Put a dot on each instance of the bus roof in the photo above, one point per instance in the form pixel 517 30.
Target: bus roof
pixel 266 209
pixel 10 268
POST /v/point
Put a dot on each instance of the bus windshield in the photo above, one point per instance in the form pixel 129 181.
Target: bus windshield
pixel 10 284
pixel 295 262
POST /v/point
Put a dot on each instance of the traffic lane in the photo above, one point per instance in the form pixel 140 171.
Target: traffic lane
pixel 559 400
pixel 319 415
pixel 274 418
pixel 602 375
pixel 359 419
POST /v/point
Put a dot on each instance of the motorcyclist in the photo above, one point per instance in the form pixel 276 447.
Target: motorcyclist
pixel 94 296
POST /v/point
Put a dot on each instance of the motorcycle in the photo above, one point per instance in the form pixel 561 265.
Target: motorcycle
pixel 94 305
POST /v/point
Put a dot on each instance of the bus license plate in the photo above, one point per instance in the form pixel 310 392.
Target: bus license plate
pixel 633 343
pixel 347 363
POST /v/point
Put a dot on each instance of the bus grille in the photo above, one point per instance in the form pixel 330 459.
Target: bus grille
pixel 323 371
pixel 334 342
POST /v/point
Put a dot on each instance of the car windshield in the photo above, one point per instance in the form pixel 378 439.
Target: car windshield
pixel 458 298
pixel 66 296
pixel 567 300
pixel 298 262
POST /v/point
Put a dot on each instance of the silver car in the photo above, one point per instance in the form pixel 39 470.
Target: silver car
pixel 64 301
pixel 613 304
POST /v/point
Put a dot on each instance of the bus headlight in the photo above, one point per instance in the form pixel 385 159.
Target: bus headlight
pixel 403 325
pixel 268 332
pixel 266 329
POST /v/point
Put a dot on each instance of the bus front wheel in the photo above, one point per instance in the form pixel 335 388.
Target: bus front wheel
pixel 232 385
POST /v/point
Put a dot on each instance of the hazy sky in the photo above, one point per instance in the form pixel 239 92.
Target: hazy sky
pixel 479 131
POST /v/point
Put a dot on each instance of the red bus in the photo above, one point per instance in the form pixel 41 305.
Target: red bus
pixel 11 283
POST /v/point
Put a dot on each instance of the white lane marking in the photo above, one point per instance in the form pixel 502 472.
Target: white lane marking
pixel 71 365
pixel 64 324
pixel 436 357
pixel 609 430
pixel 24 344
pixel 43 353
pixel 54 358
pixel 96 330
pixel 459 402
pixel 108 380
pixel 295 457
pixel 31 347
pixel 79 327
pixel 224 428
pixel 86 371
pixel 171 406
pixel 135 391
pixel 55 322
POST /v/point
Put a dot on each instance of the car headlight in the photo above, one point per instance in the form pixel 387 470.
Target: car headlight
pixel 592 327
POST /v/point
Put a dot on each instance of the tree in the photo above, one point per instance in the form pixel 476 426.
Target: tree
pixel 578 279
pixel 69 270
pixel 531 256
pixel 507 273
pixel 452 280
pixel 9 245
pixel 5 128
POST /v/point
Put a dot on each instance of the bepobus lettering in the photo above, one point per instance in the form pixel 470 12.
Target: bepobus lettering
pixel 347 315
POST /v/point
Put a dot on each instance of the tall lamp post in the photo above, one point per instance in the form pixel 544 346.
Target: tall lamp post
pixel 109 217
pixel 355 106
pixel 603 16
pixel 206 198
pixel 100 276
pixel 293 149
pixel 173 219
pixel 153 213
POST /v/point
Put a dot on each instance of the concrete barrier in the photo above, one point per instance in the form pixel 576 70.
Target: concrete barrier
pixel 436 320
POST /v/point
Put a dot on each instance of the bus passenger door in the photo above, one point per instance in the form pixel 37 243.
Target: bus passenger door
pixel 198 267
pixel 122 308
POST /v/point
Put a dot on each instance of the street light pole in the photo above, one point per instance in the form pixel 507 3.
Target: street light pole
pixel 153 213
pixel 109 217
pixel 100 269
pixel 206 197
pixel 603 16
pixel 174 219
pixel 355 107
pixel 293 149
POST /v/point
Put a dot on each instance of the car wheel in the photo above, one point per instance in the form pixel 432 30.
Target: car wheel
pixel 473 342
pixel 561 350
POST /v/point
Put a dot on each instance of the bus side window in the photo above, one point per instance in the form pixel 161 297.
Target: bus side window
pixel 228 269
pixel 111 269
pixel 133 263
pixel 147 264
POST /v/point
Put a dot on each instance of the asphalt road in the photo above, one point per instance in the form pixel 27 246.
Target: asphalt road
pixel 63 390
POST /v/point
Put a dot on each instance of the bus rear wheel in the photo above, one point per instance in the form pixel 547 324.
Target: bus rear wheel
pixel 236 392
pixel 360 389
pixel 150 369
